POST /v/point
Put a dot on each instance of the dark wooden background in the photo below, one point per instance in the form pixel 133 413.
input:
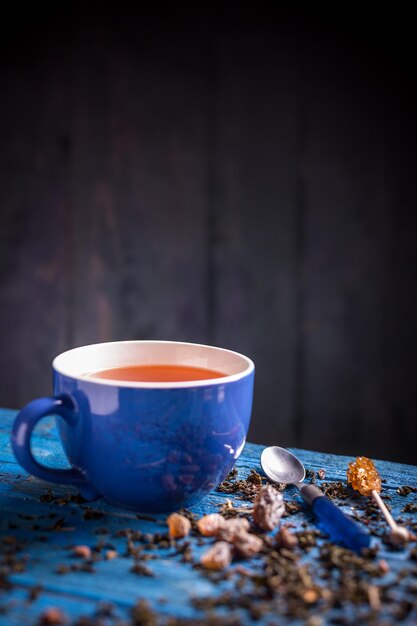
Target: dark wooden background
pixel 242 177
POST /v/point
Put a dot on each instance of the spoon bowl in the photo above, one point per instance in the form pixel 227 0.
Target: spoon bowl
pixel 281 466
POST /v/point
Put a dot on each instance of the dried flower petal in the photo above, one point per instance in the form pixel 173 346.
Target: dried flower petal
pixel 268 508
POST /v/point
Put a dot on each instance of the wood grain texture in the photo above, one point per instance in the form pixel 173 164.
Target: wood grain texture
pixel 350 273
pixel 255 207
pixel 175 583
pixel 140 182
pixel 35 209
pixel 243 177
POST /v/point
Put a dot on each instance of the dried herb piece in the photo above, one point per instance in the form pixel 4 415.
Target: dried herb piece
pixel 292 507
pixel 146 518
pixel 254 478
pixel 246 488
pixel 179 525
pixel 47 497
pixel 186 552
pixel 268 508
pixel 228 510
pixel 311 476
pixel 286 539
pixel 411 507
pixel 406 489
pixel 307 539
pixel 217 557
pixel 34 593
pixel 141 569
pixel 90 514
pixel 336 490
pixel 143 615
pixel 61 500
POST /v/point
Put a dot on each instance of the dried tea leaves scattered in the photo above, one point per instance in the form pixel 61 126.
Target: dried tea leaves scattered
pixel 406 489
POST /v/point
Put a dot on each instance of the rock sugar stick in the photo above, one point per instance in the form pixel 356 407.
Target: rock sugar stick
pixel 363 476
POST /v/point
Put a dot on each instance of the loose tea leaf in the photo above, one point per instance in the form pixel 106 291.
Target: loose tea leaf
pixel 142 614
pixel 411 507
pixel 141 569
pixel 406 489
pixel 246 488
pixel 286 539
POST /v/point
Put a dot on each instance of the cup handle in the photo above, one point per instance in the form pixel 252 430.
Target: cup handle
pixel 23 426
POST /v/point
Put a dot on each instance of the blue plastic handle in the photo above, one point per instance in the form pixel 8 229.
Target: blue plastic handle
pixel 23 426
pixel 339 527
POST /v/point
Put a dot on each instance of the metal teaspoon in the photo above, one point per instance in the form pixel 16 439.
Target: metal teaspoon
pixel 281 466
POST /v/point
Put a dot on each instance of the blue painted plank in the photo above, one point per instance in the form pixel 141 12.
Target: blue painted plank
pixel 174 584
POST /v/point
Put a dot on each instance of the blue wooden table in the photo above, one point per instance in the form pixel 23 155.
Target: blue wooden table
pixel 40 525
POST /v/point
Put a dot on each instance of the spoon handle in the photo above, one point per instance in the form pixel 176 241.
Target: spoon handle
pixel 339 526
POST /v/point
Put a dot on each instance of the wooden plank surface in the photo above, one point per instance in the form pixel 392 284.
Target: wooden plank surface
pixel 139 181
pixel 244 179
pixel 254 99
pixel 35 244
pixel 353 394
pixel 175 585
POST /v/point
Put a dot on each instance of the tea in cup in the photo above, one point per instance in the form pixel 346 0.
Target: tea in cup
pixel 146 425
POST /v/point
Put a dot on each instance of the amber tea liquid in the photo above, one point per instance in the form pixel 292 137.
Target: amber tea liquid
pixel 156 373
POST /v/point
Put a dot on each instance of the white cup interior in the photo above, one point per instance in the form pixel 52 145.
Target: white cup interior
pixel 79 362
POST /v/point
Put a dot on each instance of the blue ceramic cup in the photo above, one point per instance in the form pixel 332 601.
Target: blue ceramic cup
pixel 145 446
